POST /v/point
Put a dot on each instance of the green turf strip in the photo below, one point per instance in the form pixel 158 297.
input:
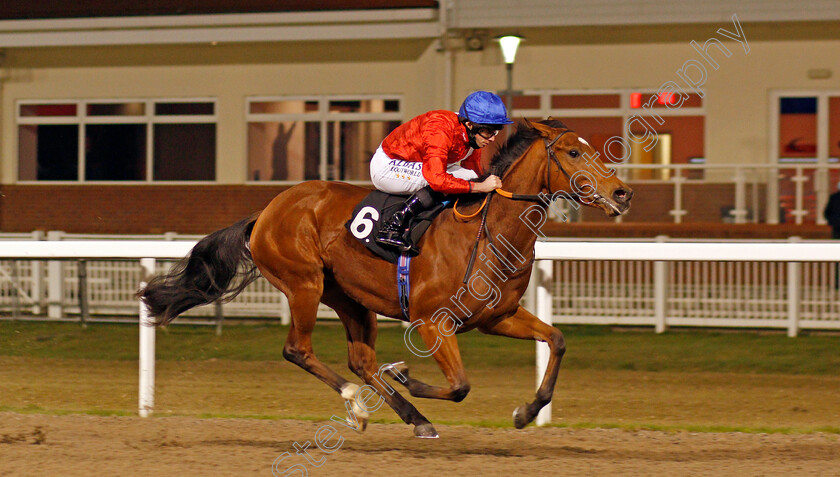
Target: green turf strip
pixel 589 347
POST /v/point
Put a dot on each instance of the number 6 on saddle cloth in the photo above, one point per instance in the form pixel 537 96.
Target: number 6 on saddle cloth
pixel 376 209
pixel 371 214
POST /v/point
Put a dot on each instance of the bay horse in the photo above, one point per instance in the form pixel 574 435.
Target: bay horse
pixel 300 245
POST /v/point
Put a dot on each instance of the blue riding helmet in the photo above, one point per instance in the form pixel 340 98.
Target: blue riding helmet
pixel 484 107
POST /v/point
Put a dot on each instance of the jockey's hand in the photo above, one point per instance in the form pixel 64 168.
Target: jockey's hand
pixel 488 185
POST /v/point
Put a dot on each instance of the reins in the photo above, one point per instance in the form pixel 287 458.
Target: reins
pixel 485 206
pixel 528 197
pixel 481 227
pixel 553 158
pixel 464 216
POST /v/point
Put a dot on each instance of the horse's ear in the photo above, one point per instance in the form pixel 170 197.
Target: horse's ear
pixel 528 123
pixel 542 128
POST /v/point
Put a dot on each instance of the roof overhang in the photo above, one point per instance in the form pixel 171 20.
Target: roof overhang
pixel 223 28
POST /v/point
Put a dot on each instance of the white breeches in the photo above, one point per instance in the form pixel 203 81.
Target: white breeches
pixel 396 176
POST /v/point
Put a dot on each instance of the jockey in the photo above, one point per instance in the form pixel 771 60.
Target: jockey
pixel 434 154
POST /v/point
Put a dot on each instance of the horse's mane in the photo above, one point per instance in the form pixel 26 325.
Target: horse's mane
pixel 511 150
pixel 517 144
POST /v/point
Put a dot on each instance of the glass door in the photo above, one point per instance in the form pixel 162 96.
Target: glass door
pixel 805 144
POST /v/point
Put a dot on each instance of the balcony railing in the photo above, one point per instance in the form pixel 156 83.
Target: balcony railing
pixel 726 193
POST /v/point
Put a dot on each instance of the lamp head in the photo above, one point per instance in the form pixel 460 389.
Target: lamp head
pixel 509 44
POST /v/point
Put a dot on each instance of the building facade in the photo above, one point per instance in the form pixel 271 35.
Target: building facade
pixel 155 120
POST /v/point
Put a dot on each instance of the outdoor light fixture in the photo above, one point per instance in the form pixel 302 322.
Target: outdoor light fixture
pixel 509 44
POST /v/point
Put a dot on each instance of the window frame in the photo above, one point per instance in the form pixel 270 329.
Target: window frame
pixel 323 117
pixel 82 119
pixel 624 111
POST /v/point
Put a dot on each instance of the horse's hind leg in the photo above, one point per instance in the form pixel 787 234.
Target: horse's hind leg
pixel 304 299
pixel 361 327
pixel 524 325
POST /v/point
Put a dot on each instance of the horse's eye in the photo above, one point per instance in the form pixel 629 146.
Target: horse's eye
pixel 573 153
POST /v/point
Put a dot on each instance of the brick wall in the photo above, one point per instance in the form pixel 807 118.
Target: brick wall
pixel 689 231
pixel 703 203
pixel 203 209
pixel 129 209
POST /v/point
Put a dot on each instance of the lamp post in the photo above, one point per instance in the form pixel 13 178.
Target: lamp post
pixel 509 45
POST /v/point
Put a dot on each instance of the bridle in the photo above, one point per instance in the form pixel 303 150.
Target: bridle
pixel 551 157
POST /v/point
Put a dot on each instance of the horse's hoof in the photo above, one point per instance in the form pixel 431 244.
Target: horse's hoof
pixel 520 416
pixel 348 392
pixel 425 431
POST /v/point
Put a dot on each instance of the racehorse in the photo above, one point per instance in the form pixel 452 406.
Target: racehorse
pixel 299 243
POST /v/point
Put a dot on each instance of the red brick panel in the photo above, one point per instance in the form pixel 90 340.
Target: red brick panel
pixel 129 209
pixel 690 230
pixel 203 209
pixel 703 203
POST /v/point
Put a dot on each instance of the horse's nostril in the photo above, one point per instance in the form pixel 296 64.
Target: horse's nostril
pixel 622 195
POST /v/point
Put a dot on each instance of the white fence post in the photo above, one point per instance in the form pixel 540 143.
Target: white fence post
pixel 37 278
pixel 794 270
pixel 286 312
pixel 147 345
pixel 55 283
pixel 545 312
pixel 799 179
pixel 739 212
pixel 678 210
pixel 660 291
pixel 529 299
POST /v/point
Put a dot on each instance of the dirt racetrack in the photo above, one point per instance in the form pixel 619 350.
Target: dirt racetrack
pixel 70 445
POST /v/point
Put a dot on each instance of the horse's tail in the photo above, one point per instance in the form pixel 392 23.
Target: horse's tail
pixel 219 267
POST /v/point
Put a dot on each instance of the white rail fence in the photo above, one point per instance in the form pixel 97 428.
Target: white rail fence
pixel 33 289
pixel 790 284
pixel 756 291
pixel 660 253
pixel 654 267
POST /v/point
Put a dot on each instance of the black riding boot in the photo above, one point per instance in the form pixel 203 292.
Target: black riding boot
pixel 394 232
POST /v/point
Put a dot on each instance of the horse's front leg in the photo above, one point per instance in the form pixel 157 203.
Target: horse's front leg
pixel 524 325
pixel 361 328
pixel 444 348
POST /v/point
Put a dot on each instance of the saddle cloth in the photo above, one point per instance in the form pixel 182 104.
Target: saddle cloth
pixel 378 207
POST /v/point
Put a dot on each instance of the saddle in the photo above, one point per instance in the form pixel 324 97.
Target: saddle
pixel 377 208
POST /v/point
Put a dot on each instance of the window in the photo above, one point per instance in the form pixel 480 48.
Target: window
pixel 326 137
pixel 640 127
pixel 117 141
pixel 807 147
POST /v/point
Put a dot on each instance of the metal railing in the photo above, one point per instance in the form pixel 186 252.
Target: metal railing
pixel 33 289
pixel 794 192
pixel 754 292
pixel 759 284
